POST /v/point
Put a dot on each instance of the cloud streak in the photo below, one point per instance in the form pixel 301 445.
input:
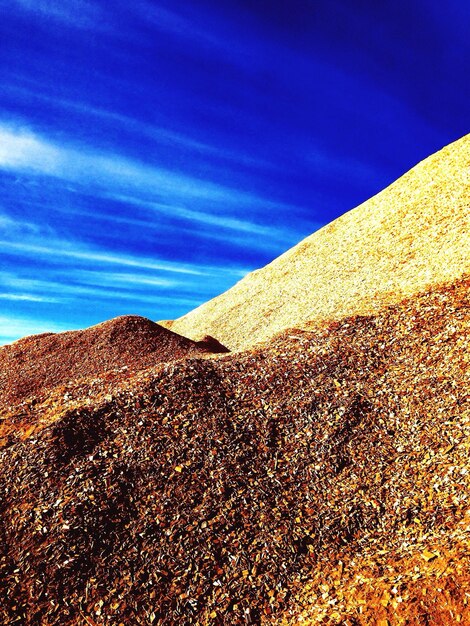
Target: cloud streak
pixel 13 327
pixel 76 14
pixel 163 194
pixel 26 297
pixel 60 250
pixel 159 134
pixel 209 219
pixel 97 285
pixel 22 150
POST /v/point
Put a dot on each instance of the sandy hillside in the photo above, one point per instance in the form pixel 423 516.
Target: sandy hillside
pixel 413 234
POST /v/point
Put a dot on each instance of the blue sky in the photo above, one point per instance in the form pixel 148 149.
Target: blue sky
pixel 152 153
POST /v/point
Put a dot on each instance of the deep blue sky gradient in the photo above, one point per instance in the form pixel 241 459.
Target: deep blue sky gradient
pixel 152 153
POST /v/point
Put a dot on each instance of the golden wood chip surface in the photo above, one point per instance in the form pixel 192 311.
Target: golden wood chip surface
pixel 414 234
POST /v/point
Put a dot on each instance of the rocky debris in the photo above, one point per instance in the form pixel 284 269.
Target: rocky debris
pixel 322 477
pixel 406 584
pixel 412 235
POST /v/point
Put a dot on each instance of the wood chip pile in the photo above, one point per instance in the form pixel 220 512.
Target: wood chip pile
pixel 36 368
pixel 322 477
pixel 412 235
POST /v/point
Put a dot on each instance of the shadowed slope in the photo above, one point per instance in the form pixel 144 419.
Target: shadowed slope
pixel 35 365
pixel 211 490
pixel 413 234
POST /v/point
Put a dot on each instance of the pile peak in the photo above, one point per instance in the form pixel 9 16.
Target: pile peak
pixel 38 364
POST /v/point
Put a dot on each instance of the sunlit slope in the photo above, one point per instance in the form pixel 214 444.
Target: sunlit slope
pixel 413 234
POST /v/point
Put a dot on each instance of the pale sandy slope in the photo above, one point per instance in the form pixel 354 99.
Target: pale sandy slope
pixel 413 234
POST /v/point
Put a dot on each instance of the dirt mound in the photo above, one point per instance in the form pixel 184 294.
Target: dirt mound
pixel 322 471
pixel 412 235
pixel 33 366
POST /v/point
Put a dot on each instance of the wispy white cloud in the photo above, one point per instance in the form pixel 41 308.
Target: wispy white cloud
pixel 91 285
pixel 124 279
pixel 167 136
pixel 339 167
pixel 23 150
pixel 78 14
pixel 204 217
pixel 207 34
pixel 26 297
pixel 172 22
pixel 158 191
pixel 12 280
pixel 20 149
pixel 159 134
pixel 18 228
pixel 160 219
pixel 64 249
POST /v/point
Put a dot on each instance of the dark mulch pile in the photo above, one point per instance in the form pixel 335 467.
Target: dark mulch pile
pixel 214 490
pixel 32 367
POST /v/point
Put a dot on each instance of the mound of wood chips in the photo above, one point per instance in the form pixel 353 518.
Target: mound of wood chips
pixel 322 477
pixel 51 371
pixel 412 235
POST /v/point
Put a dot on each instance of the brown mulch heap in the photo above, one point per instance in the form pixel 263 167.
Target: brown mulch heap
pixel 412 235
pixel 322 477
pixel 32 368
